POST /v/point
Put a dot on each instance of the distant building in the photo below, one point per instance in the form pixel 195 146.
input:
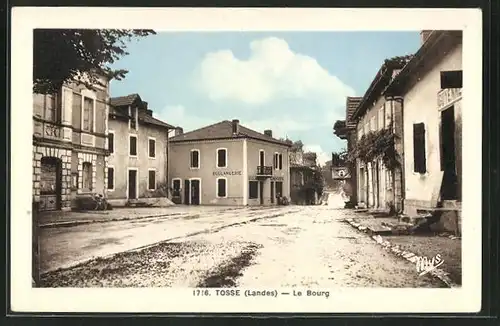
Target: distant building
pixel 138 147
pixel 302 169
pixel 69 144
pixel 346 129
pixel 430 87
pixel 229 164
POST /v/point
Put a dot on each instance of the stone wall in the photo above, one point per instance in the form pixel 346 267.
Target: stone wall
pixel 65 160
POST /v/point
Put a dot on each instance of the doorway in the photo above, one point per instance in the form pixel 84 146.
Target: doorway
pixel 195 192
pixel 187 187
pixel 272 192
pixel 449 188
pixel 50 184
pixel 132 184
pixel 261 192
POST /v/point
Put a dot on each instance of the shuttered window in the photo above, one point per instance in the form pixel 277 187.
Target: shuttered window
pixel 133 145
pixel 221 158
pixel 419 160
pixel 195 159
pixel 151 180
pixel 111 178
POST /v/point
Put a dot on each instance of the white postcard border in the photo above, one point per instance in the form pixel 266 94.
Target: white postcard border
pixel 24 298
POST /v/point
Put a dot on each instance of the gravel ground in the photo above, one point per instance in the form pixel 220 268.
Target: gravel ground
pixel 309 248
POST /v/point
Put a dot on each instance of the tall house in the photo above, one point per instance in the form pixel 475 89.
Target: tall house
pixel 228 164
pixel 69 144
pixel 138 147
pixel 430 87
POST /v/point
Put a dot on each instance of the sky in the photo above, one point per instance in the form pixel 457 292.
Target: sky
pixel 294 83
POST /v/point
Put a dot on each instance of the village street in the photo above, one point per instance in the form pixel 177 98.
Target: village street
pixel 284 246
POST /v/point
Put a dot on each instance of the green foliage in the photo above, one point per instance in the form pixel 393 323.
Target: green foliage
pixel 376 144
pixel 60 55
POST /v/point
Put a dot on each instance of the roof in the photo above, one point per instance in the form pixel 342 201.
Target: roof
pixel 146 118
pixel 224 130
pixel 434 38
pixel 381 80
pixel 124 100
pixel 352 103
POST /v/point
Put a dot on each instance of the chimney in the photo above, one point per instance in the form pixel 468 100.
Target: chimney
pixel 178 131
pixel 236 126
pixel 424 35
pixel 268 133
pixel 149 112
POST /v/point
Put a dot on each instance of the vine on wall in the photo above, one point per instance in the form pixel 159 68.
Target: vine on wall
pixel 376 144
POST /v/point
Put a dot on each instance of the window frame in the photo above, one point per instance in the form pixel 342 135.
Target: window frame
pixel 180 185
pixel 130 147
pixel 149 148
pixel 217 158
pixel 91 96
pixel 149 179
pixel 191 159
pixel 114 178
pixel 217 187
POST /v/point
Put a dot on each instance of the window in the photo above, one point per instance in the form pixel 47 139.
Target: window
pixel 280 161
pixel 275 161
pixel 152 148
pixel 451 79
pixel 221 158
pixel 87 176
pixel 253 189
pixel 77 107
pixel 176 187
pixel 419 161
pixel 88 114
pixel 151 179
pixel 262 158
pixel 195 159
pixel 221 187
pixel 279 188
pixel 51 107
pixel 111 178
pixel 132 145
pixel 74 181
pixel 111 142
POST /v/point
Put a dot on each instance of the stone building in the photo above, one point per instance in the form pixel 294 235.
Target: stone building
pixel 379 186
pixel 228 164
pixel 69 144
pixel 430 87
pixel 138 147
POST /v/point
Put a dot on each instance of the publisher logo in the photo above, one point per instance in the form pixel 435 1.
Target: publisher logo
pixel 425 265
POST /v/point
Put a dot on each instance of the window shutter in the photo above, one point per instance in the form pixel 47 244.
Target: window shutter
pixel 111 178
pixel 280 157
pixel 419 160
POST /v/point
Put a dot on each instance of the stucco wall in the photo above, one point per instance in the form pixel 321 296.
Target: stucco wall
pixel 254 147
pixel 121 161
pixel 180 168
pixel 420 105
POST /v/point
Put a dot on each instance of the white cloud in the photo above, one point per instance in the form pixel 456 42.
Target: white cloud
pixel 321 155
pixel 273 71
pixel 176 115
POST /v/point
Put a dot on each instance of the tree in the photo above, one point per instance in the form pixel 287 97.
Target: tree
pixel 61 55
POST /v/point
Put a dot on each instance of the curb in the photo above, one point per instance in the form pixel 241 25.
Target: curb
pixel 216 229
pixel 82 222
pixel 407 255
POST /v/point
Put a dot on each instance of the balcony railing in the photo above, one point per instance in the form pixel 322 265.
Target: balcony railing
pixel 264 171
pixel 448 95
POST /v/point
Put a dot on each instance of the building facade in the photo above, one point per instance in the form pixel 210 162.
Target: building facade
pixel 228 164
pixel 69 144
pixel 302 165
pixel 380 186
pixel 346 129
pixel 431 89
pixel 138 146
